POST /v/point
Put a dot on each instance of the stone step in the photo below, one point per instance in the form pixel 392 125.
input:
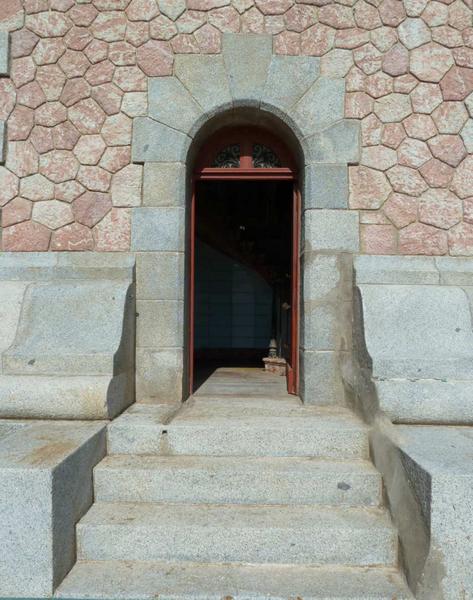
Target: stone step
pixel 208 428
pixel 270 405
pixel 60 397
pixel 139 429
pixel 242 480
pixel 324 436
pixel 237 533
pixel 243 382
pixel 114 580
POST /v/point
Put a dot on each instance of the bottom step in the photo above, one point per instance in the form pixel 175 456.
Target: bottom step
pixel 117 580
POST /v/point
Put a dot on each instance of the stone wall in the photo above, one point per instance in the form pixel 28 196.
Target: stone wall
pixel 414 338
pixel 427 476
pixel 67 335
pixel 244 85
pixel 46 472
pixel 79 74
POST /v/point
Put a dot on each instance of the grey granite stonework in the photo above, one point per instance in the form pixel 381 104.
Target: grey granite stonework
pixel 4 53
pixel 3 130
pixel 156 142
pixel 321 381
pixel 338 143
pixel 288 88
pixel 418 331
pixel 327 316
pixel 164 384
pixel 160 323
pixel 239 496
pixel 321 106
pixel 4 72
pixel 158 229
pixel 413 366
pixel 416 321
pixel 247 59
pixel 160 278
pixel 289 78
pixel 245 82
pixel 428 477
pixel 330 231
pixel 75 361
pixel 46 487
pixel 160 275
pixel 326 186
pixel 164 184
pixel 186 488
pixel 171 104
pixel 205 78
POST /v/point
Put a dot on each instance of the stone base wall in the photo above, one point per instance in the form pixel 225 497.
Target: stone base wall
pixel 326 326
pixel 46 474
pixel 67 330
pixel 414 343
pixel 427 473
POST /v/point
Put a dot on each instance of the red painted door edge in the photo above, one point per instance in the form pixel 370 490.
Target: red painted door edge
pixel 192 291
pixel 293 367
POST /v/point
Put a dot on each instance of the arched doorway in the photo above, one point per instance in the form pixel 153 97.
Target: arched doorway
pixel 245 238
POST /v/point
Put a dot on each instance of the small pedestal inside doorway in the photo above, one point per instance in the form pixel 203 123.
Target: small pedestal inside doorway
pixel 277 366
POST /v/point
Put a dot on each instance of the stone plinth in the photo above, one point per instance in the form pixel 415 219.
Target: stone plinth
pixel 46 474
pixel 67 336
pixel 416 324
pixel 428 476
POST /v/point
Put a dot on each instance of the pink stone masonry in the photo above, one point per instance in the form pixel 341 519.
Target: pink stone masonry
pixel 80 69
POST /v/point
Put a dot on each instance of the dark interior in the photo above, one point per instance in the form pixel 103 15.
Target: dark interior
pixel 243 246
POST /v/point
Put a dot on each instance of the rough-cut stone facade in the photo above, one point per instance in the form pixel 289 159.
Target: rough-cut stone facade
pixel 79 75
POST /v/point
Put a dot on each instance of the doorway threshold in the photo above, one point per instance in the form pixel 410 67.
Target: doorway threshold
pixel 243 383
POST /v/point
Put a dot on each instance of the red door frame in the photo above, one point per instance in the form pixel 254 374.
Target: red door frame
pixel 246 172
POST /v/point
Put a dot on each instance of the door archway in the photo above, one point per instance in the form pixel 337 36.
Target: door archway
pixel 286 97
pixel 253 154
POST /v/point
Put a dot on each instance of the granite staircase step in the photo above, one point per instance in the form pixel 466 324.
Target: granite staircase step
pixel 237 480
pixel 115 580
pixel 229 533
pixel 262 427
pixel 237 494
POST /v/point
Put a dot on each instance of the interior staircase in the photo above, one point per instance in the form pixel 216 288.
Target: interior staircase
pixel 244 494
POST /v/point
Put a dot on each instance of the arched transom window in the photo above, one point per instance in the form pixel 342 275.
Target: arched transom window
pixel 244 153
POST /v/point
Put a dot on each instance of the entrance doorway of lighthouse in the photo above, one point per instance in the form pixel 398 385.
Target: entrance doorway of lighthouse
pixel 244 255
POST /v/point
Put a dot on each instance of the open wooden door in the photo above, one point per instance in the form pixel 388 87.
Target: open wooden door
pixel 246 154
pixel 293 359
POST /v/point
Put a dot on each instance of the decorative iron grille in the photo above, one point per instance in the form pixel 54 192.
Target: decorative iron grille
pixel 264 157
pixel 228 158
